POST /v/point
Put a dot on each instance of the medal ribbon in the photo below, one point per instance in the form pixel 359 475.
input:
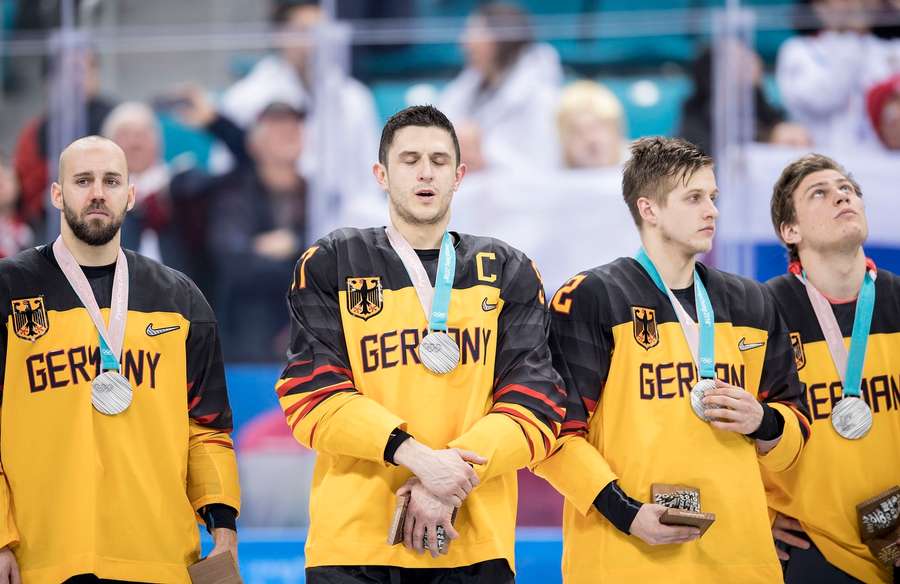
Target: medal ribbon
pixel 435 300
pixel 702 342
pixel 849 367
pixel 112 338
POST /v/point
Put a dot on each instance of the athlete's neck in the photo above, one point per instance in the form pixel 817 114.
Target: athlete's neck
pixel 91 255
pixel 675 267
pixel 838 275
pixel 420 235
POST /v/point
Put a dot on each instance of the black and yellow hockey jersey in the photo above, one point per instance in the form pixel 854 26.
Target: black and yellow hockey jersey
pixel 354 375
pixel 628 370
pixel 835 474
pixel 111 495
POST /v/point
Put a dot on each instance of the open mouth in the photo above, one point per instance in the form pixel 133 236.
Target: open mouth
pixel 427 193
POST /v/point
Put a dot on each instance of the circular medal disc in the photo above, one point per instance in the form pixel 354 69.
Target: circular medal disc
pixel 851 418
pixel 438 352
pixel 697 392
pixel 110 393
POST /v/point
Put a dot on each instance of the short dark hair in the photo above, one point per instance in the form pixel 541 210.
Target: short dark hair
pixel 280 10
pixel 782 205
pixel 656 165
pixel 416 115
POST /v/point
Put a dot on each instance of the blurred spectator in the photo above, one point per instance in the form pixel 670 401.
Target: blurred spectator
pixel 290 76
pixel 15 235
pixel 135 128
pixel 823 78
pixel 591 122
pixel 34 142
pixel 697 112
pixel 257 229
pixel 887 21
pixel 168 222
pixel 883 105
pixel 504 100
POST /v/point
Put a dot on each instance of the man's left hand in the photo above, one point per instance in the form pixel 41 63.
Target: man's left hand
pixel 733 409
pixel 225 541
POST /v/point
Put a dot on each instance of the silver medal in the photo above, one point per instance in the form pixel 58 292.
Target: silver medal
pixel 851 418
pixel 697 392
pixel 110 393
pixel 438 352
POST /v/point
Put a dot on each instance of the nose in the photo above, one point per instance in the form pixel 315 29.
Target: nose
pixel 712 212
pixel 96 191
pixel 426 170
pixel 841 196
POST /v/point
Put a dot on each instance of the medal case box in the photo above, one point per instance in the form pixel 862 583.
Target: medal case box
pixel 879 525
pixel 220 569
pixel 683 504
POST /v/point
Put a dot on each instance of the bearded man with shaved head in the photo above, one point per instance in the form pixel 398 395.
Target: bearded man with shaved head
pixel 114 417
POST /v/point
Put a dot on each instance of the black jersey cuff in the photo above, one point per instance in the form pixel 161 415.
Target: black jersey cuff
pixel 219 515
pixel 396 438
pixel 617 506
pixel 772 425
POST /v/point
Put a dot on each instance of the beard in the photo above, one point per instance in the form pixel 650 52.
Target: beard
pixel 94 231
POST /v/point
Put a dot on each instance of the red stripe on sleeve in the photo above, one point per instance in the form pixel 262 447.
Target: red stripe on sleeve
pixel 295 381
pixel 516 414
pixel 531 393
pixel 316 394
pixel 220 443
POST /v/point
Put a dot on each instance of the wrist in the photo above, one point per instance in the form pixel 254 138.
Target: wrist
pixel 395 441
pixel 410 453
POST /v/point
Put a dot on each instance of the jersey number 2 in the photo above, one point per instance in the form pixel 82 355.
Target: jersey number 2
pixel 561 302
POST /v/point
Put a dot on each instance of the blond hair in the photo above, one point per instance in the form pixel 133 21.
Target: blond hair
pixel 589 96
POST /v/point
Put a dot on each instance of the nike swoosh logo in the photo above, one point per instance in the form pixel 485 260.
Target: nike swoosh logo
pixel 744 346
pixel 153 332
pixel 486 306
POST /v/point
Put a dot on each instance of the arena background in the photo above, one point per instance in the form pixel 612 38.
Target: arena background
pixel 63 65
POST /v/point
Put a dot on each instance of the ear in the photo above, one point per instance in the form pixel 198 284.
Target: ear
pixel 460 173
pixel 647 211
pixel 790 233
pixel 131 198
pixel 380 172
pixel 56 195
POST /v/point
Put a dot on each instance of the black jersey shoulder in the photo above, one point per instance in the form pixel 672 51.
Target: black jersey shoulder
pixel 156 287
pixel 353 253
pixel 152 287
pixel 614 289
pixel 736 299
pixel 605 294
pixel 794 305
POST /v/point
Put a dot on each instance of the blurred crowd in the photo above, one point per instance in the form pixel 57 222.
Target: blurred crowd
pixel 237 225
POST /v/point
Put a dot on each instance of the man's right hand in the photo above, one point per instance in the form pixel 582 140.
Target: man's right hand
pixel 447 474
pixel 9 569
pixel 782 530
pixel 647 527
